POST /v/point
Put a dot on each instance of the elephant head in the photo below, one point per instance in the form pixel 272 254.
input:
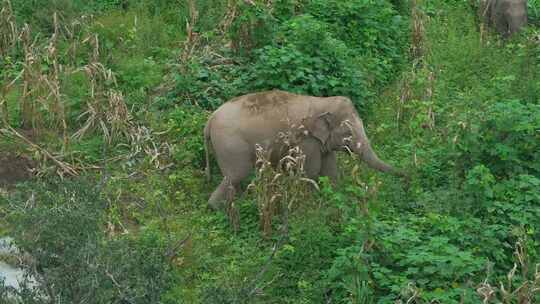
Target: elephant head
pixel 341 129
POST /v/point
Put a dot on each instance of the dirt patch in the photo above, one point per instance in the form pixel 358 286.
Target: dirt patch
pixel 14 168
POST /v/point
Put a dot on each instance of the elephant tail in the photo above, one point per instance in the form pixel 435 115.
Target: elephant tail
pixel 206 150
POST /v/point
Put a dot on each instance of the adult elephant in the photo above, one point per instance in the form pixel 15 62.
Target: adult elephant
pixel 507 16
pixel 327 125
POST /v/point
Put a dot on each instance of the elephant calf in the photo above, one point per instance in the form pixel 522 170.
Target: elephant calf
pixel 507 16
pixel 329 124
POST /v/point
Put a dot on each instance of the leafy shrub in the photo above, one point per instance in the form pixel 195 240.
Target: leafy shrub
pixel 534 11
pixel 504 139
pixel 302 262
pixel 253 27
pixel 38 12
pixel 196 83
pixel 331 49
pixel 289 69
pixel 137 76
pixel 310 61
pixel 62 230
pixel 308 50
pixel 186 125
pixel 518 199
pixel 135 33
pixel 402 254
pixel 373 29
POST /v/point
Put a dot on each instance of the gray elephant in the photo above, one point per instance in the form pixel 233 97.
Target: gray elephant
pixel 507 16
pixel 330 124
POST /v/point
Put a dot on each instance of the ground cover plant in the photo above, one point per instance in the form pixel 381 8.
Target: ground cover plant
pixel 102 107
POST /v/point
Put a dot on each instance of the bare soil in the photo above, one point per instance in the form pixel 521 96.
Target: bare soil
pixel 14 168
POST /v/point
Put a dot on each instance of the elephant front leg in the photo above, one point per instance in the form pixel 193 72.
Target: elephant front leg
pixel 329 166
pixel 312 151
pixel 501 24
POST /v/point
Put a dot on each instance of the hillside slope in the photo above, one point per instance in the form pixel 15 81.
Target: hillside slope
pixel 128 221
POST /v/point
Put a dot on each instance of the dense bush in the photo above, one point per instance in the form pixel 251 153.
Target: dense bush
pixel 322 48
pixel 534 11
pixel 38 12
pixel 309 61
pixel 506 139
pixel 63 230
pixel 463 119
pixel 186 124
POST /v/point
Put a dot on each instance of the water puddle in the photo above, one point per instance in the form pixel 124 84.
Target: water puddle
pixel 10 274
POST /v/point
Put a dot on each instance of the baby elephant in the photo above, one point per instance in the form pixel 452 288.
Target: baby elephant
pixel 507 16
pixel 328 125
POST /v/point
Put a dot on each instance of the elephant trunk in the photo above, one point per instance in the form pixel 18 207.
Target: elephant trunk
pixel 363 148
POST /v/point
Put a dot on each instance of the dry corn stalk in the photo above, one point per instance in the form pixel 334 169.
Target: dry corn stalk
pixel 405 95
pixel 143 140
pixel 27 106
pixel 53 82
pixel 41 100
pixel 8 29
pixel 278 188
pixel 506 293
pixel 106 108
pixel 229 17
pixel 42 103
pixel 192 37
pixel 63 167
pixel 73 33
pixel 418 32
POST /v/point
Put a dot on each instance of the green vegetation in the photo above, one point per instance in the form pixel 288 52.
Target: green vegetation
pixel 112 96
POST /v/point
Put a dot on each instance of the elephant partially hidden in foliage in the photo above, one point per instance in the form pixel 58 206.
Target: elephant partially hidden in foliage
pixel 327 125
pixel 507 16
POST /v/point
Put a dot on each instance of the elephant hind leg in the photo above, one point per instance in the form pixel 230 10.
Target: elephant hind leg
pixel 236 162
pixel 224 192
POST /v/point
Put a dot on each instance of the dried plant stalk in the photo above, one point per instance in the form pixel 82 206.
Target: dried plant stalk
pixel 28 116
pixel 8 29
pixel 404 97
pixel 53 82
pixel 65 168
pixel 229 17
pixel 106 107
pixel 418 32
pixel 278 188
pixel 41 102
pixel 506 293
pixel 192 38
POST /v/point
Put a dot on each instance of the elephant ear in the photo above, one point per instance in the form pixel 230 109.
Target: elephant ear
pixel 320 127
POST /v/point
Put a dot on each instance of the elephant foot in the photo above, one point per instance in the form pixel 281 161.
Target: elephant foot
pixel 215 206
pixel 223 195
